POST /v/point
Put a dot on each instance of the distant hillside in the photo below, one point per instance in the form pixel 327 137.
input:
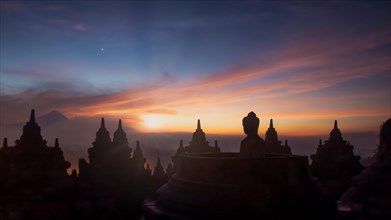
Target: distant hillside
pixel 51 118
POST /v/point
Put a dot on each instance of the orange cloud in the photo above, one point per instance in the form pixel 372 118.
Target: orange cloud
pixel 270 87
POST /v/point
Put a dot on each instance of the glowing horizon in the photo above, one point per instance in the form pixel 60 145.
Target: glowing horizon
pixel 304 65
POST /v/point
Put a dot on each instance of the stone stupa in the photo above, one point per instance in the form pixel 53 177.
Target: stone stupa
pixel 230 186
pixel 370 196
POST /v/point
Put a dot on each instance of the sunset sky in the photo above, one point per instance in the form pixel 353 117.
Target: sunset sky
pixel 161 65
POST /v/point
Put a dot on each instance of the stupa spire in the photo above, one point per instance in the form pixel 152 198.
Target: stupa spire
pixel 31 136
pixel 158 161
pixel 181 149
pixel 158 172
pixel 198 142
pixel 120 141
pixel 120 125
pixel 32 116
pixel 56 144
pixel 138 152
pixel 271 133
pixel 138 156
pixel 335 134
pixel 102 123
pixel 5 142
pixel 102 138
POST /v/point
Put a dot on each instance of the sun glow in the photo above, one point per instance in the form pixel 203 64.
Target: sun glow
pixel 153 122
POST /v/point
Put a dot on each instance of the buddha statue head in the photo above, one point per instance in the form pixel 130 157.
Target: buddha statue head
pixel 251 124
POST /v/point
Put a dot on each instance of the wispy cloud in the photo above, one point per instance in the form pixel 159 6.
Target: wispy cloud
pixel 54 8
pixel 25 73
pixel 80 27
pixel 300 68
pixel 162 111
pixel 57 21
pixel 10 6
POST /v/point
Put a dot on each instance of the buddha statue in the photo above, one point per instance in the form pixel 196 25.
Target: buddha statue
pixel 252 146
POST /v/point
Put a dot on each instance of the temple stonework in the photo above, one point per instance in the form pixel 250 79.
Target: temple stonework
pixel 198 143
pixel 110 162
pixel 273 145
pixel 244 185
pixel 33 176
pixel 121 177
pixel 159 177
pixel 370 196
pixel 32 158
pixel 335 164
pixel 262 181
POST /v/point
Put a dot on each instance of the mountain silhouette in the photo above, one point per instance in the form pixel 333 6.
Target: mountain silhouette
pixel 52 118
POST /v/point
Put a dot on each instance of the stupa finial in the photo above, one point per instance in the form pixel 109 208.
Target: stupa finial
pixel 32 116
pixel 120 125
pixel 56 144
pixel 102 123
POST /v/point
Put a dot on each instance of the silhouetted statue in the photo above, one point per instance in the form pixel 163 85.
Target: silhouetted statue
pixel 198 144
pixel 273 145
pixel 370 195
pixel 252 146
pixel 245 185
pixel 334 163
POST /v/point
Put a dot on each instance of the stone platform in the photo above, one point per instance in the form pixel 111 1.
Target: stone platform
pixel 223 186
